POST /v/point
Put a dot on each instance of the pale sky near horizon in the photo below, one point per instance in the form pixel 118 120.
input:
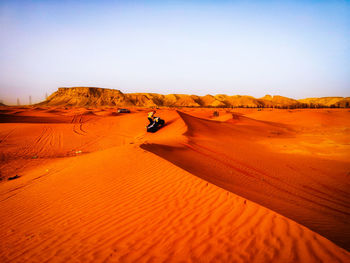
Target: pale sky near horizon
pixel 296 49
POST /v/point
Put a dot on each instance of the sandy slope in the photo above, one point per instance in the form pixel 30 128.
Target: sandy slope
pixel 311 190
pixel 115 202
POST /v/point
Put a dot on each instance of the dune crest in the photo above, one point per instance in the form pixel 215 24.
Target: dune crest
pixel 91 189
pixel 312 191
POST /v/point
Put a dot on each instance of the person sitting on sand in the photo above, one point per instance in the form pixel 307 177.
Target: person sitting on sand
pixel 151 116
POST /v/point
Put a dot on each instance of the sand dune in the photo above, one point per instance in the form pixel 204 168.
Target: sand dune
pixel 94 195
pixel 310 190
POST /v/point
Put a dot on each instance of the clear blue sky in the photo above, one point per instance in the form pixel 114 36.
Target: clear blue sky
pixel 290 48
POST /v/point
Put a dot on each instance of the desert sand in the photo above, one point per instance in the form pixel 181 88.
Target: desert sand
pixel 243 186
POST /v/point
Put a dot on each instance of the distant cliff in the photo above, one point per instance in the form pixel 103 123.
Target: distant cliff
pixel 90 96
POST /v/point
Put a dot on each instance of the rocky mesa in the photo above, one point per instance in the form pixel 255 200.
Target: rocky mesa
pixel 93 96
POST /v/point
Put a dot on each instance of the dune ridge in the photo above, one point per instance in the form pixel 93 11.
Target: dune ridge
pixel 92 96
pixel 94 193
pixel 295 186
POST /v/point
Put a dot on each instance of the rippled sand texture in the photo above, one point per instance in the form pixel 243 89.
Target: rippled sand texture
pixel 95 187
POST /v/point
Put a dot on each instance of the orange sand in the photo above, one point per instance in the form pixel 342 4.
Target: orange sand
pixel 95 187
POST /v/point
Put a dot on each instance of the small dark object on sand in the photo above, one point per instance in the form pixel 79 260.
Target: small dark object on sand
pixel 123 111
pixel 14 177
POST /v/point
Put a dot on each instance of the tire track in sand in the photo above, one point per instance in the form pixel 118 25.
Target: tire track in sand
pixel 77 122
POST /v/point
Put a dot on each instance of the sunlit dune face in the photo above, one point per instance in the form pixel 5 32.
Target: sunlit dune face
pixel 213 185
pixel 321 133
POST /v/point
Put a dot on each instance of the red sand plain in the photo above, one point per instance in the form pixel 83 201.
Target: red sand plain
pixel 245 186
